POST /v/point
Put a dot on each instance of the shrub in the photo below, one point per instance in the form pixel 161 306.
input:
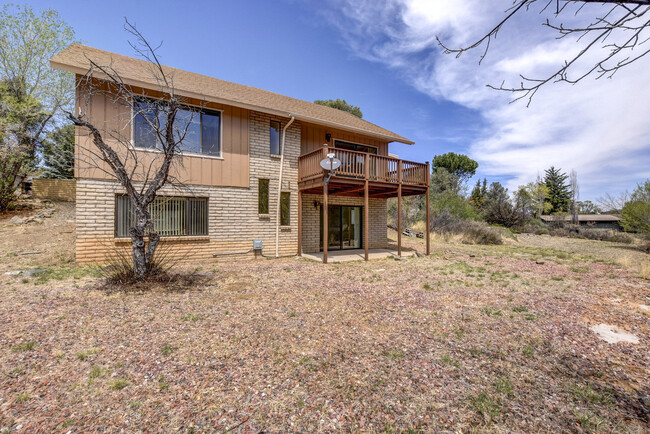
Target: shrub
pixel 480 233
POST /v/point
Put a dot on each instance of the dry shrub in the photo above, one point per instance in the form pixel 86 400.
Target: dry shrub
pixel 119 276
pixel 471 232
pixel 480 233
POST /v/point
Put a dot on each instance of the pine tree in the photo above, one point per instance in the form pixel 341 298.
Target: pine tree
pixel 58 153
pixel 559 193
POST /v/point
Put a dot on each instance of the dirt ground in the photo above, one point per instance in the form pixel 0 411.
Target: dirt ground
pixel 471 338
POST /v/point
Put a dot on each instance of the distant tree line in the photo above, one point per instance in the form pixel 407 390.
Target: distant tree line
pixel 556 193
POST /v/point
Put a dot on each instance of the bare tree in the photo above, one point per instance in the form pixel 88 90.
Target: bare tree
pixel 613 203
pixel 141 174
pixel 575 196
pixel 619 32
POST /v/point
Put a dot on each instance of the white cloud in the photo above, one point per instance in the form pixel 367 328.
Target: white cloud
pixel 597 127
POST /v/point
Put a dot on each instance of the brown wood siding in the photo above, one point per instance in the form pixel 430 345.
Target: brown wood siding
pixel 231 170
pixel 313 137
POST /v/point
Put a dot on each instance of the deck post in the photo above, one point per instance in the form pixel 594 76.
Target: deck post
pixel 299 223
pixel 325 224
pixel 428 229
pixel 399 208
pixel 366 164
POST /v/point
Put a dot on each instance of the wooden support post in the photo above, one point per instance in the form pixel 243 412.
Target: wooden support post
pixel 366 211
pixel 428 230
pixel 299 223
pixel 325 224
pixel 399 208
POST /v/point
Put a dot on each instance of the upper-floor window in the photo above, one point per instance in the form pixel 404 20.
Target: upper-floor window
pixel 198 130
pixel 275 137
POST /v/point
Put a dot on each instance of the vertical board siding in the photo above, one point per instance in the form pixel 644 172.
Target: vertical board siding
pixel 313 137
pixel 230 171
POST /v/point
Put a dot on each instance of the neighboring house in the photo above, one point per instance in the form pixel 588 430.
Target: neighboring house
pixel 232 178
pixel 602 221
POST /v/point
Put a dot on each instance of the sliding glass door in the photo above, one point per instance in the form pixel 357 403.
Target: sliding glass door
pixel 343 227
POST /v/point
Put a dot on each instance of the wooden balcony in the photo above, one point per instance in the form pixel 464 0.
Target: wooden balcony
pixel 361 175
pixel 385 175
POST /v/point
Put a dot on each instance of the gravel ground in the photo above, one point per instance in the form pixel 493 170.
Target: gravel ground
pixel 469 339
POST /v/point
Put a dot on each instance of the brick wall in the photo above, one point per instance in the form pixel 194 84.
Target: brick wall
pixel 377 236
pixel 233 217
pixel 57 189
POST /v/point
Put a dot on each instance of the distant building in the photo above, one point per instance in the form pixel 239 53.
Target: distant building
pixel 601 221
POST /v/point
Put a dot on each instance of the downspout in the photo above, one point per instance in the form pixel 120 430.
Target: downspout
pixel 277 217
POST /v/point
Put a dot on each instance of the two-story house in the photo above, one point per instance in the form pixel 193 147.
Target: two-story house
pixel 253 172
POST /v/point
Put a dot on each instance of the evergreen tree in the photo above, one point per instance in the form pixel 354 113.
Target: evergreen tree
pixel 558 191
pixel 478 193
pixel 58 153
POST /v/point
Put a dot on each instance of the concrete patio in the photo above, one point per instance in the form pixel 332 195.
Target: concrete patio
pixel 356 255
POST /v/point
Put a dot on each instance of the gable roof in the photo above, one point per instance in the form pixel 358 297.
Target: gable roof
pixel 137 72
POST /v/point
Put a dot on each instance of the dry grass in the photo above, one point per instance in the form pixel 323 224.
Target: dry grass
pixel 497 342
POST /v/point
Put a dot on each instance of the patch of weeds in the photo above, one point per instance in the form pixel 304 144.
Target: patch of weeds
pixel 490 311
pixel 530 317
pixel 167 349
pixel 16 372
pixel 503 386
pixel 23 397
pixel 588 421
pixel 445 359
pixel 135 405
pixel 475 352
pixel 304 360
pixel 66 272
pixel 528 351
pixel 393 354
pixel 67 424
pixel 292 314
pixel 118 384
pixel 520 309
pixel 557 279
pixel 25 280
pixel 300 403
pixel 585 393
pixel 459 332
pixel 485 406
pixel 191 317
pixel 582 270
pixel 427 287
pixel 25 346
pixel 162 383
pixel 95 372
pixel 83 355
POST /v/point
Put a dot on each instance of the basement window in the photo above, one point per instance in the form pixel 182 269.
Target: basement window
pixel 172 216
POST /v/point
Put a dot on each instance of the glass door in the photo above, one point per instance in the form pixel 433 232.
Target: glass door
pixel 344 229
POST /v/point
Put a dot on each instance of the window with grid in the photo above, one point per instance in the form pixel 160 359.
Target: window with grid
pixel 171 216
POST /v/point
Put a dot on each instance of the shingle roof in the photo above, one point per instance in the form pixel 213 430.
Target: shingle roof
pixel 586 218
pixel 76 58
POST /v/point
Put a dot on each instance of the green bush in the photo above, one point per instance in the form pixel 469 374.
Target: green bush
pixel 480 233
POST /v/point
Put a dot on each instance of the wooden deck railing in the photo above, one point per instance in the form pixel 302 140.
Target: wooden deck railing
pixel 353 165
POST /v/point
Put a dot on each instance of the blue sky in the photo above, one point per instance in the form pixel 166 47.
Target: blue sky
pixel 382 56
